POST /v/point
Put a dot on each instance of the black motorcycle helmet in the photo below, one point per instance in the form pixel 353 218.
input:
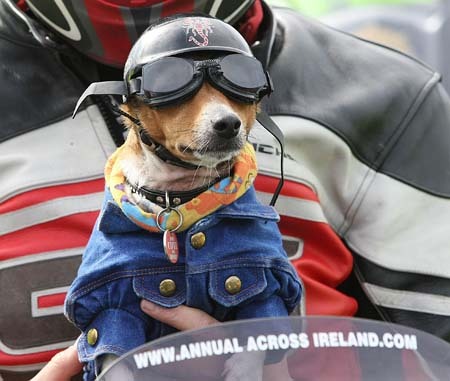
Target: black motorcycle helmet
pixel 235 72
pixel 160 68
pixel 105 30
pixel 179 35
pixel 157 67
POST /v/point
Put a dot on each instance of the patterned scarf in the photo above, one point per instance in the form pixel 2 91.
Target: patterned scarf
pixel 220 194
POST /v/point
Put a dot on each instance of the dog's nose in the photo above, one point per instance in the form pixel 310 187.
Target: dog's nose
pixel 227 126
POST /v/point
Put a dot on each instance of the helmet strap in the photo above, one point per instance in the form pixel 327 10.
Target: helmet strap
pixel 267 122
pixel 162 152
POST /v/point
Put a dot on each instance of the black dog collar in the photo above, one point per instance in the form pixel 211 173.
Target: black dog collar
pixel 174 198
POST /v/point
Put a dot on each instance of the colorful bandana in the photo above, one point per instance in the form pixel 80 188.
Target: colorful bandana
pixel 220 194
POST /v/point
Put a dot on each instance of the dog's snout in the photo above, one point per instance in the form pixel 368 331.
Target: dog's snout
pixel 227 126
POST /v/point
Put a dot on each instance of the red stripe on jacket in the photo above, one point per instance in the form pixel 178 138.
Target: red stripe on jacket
pixel 63 233
pixel 34 358
pixel 37 196
pixel 325 263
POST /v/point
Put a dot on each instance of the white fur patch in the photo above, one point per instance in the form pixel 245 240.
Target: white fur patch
pixel 211 113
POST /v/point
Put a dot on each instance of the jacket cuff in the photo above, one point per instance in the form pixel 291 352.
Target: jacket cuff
pixel 113 331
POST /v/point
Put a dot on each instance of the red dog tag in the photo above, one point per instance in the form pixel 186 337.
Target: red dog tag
pixel 170 242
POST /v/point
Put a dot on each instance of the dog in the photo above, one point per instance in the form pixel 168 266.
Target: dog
pixel 181 223
pixel 208 131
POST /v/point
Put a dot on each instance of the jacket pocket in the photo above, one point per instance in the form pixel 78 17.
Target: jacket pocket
pixel 232 286
pixel 166 289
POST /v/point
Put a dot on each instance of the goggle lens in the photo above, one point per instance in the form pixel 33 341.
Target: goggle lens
pixel 166 75
pixel 243 71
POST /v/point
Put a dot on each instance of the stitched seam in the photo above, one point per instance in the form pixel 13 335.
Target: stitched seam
pixel 345 225
pixel 221 266
pixel 381 157
pixel 404 123
pixel 119 275
pixel 99 348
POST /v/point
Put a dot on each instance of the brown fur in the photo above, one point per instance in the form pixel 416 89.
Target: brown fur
pixel 185 129
pixel 173 126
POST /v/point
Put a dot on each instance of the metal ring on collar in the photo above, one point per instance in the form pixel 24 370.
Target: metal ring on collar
pixel 168 209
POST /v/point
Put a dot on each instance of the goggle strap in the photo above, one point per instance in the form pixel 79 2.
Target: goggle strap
pixel 269 83
pixel 267 122
pixel 101 88
pixel 134 85
pixel 136 121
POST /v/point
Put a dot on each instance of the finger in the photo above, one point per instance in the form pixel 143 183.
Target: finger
pixel 62 367
pixel 181 317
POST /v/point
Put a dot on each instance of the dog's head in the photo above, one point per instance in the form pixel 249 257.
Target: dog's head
pixel 205 130
pixel 198 95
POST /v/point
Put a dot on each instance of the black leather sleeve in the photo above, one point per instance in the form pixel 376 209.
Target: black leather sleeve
pixel 374 98
pixel 36 89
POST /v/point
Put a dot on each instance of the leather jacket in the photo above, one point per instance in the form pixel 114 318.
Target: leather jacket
pixel 367 132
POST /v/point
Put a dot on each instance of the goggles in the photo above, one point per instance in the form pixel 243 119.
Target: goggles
pixel 171 80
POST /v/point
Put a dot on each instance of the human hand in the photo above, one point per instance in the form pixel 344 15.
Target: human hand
pixel 185 318
pixel 62 367
pixel 182 317
pixel 65 364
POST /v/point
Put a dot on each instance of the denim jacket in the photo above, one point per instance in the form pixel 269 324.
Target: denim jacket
pixel 124 263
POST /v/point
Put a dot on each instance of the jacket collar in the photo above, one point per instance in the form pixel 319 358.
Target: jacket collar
pixel 262 48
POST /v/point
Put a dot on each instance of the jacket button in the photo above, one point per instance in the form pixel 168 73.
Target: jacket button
pixel 167 287
pixel 198 240
pixel 233 285
pixel 92 336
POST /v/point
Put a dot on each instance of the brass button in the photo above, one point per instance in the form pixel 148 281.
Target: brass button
pixel 233 285
pixel 198 240
pixel 92 336
pixel 167 287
